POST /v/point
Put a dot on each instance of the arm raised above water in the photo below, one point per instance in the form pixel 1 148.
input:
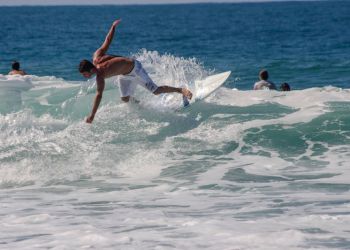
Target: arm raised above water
pixel 108 40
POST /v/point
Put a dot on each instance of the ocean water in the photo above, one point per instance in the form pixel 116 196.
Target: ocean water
pixel 241 170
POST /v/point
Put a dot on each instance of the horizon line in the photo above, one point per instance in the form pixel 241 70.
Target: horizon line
pixel 160 3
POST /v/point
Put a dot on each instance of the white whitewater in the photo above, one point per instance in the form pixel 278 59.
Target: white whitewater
pixel 242 170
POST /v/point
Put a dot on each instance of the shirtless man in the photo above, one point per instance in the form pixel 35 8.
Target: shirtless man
pixel 264 83
pixel 15 69
pixel 130 73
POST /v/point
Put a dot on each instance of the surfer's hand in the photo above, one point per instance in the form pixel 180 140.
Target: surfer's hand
pixel 187 93
pixel 89 119
pixel 116 22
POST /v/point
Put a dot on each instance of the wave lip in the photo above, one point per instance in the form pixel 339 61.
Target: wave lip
pixel 15 82
pixel 11 87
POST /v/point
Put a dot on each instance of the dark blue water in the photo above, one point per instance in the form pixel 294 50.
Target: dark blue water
pixel 304 43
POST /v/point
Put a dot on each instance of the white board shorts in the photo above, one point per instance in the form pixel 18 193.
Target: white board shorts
pixel 127 83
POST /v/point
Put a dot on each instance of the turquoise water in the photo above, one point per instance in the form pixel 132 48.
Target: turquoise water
pixel 241 170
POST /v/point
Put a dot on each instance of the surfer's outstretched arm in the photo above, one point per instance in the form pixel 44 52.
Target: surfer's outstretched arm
pixel 98 98
pixel 108 40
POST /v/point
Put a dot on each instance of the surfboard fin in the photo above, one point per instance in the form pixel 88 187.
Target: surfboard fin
pixel 185 101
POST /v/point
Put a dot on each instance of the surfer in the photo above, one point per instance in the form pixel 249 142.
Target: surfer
pixel 130 72
pixel 285 87
pixel 264 83
pixel 16 69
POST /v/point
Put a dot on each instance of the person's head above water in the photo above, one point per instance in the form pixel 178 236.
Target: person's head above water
pixel 15 65
pixel 285 87
pixel 86 68
pixel 264 75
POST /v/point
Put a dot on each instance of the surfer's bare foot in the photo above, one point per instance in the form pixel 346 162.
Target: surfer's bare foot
pixel 187 93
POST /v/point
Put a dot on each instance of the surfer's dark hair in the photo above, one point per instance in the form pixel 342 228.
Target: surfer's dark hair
pixel 285 87
pixel 15 65
pixel 85 66
pixel 264 75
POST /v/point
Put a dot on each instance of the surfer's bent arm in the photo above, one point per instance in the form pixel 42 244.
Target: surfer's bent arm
pixel 98 98
pixel 108 40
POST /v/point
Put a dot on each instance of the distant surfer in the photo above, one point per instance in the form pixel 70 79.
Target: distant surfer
pixel 16 69
pixel 285 87
pixel 264 83
pixel 130 73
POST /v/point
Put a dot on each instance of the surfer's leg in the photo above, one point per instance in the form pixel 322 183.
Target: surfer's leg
pixel 147 82
pixel 130 99
pixel 167 89
pixel 127 88
pixel 143 78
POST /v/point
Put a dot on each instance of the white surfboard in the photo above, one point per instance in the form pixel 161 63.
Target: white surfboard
pixel 203 88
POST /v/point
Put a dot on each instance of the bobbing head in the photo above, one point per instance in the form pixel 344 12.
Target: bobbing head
pixel 264 75
pixel 86 68
pixel 15 65
pixel 285 87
